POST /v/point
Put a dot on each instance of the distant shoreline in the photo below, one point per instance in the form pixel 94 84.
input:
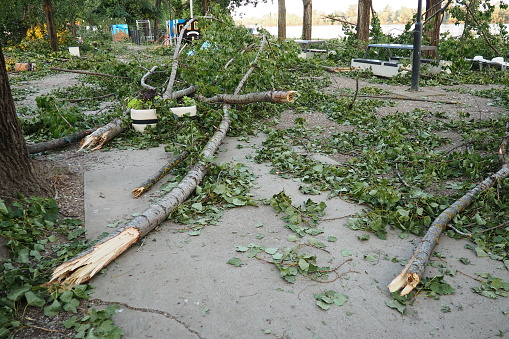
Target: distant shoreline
pixel 336 31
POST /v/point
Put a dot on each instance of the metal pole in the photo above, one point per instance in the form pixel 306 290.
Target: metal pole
pixel 416 60
pixel 191 8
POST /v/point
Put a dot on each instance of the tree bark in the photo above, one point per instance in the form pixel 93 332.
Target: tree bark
pixel 18 173
pixel 270 96
pixel 281 20
pixel 58 143
pixel 50 23
pixel 363 20
pixel 307 19
pixel 205 5
pixel 434 14
pixel 86 72
pixel 138 191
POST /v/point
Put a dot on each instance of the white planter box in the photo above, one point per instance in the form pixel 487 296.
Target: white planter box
pixel 74 51
pixel 381 68
pixel 143 118
pixel 181 111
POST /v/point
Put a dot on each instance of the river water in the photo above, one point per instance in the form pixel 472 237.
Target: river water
pixel 335 31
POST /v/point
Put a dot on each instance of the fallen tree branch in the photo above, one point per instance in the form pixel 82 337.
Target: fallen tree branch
pixel 411 275
pixel 86 72
pixel 89 262
pixel 270 96
pixel 339 69
pixel 102 135
pixel 93 98
pixel 86 264
pixel 58 143
pixel 383 97
pixel 138 191
pixel 333 18
pixel 413 271
pixel 145 77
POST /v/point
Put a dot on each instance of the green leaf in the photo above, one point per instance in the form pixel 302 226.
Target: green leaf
pixel 242 248
pixel 80 291
pixel 17 293
pixel 220 189
pixel 370 257
pixel 72 305
pixel 303 264
pixel 340 299
pixel 318 168
pixel 66 296
pixel 480 252
pixel 235 262
pixel 396 305
pixel 197 206
pixel 53 309
pixel 271 250
pixel 34 300
pixel 323 305
pixel 292 238
pixel 346 253
pixel 23 256
pixel 3 207
pixel 71 322
pixel 238 202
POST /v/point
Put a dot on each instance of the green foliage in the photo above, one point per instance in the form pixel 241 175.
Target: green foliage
pixel 435 287
pixel 303 219
pixel 290 261
pixel 492 287
pixel 328 298
pixel 35 240
pixel 226 186
pixel 96 324
pixel 53 119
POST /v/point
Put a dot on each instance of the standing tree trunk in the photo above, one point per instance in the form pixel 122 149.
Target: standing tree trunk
pixel 363 20
pixel 18 173
pixel 205 5
pixel 281 20
pixel 307 23
pixel 51 27
pixel 157 20
pixel 434 15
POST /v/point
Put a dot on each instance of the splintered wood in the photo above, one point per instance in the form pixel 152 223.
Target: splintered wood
pixel 84 267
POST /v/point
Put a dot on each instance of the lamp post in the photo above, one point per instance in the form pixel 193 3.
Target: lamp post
pixel 416 60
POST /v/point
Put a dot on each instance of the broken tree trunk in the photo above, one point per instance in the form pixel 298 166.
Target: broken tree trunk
pixel 412 273
pixel 58 143
pixel 138 191
pixel 86 72
pixel 102 135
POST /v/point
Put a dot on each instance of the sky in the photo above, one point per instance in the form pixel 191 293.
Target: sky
pixel 326 6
